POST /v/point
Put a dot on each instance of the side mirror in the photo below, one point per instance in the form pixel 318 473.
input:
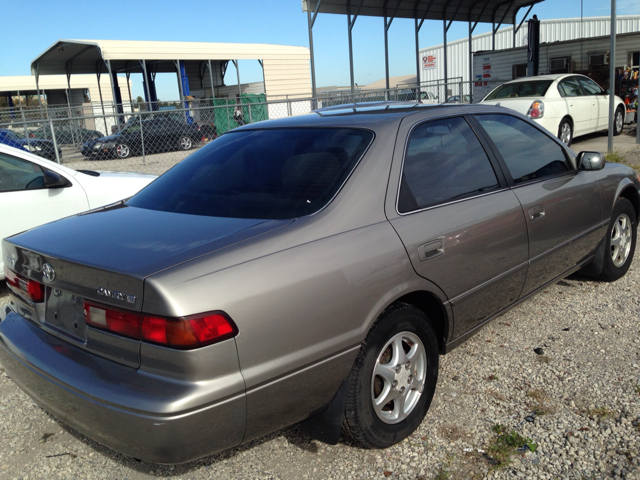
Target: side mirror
pixel 55 180
pixel 590 161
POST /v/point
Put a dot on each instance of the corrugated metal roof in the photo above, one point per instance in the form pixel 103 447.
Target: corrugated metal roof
pixel 80 56
pixel 484 11
pixel 88 56
pixel 26 84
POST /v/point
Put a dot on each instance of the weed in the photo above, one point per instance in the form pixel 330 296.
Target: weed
pixel 492 378
pixel 506 444
pixel 599 412
pixel 497 395
pixel 543 359
pixel 636 387
pixel 442 474
pixel 542 405
pixel 615 157
pixel 451 432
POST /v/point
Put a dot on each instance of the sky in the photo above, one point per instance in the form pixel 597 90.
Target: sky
pixel 280 22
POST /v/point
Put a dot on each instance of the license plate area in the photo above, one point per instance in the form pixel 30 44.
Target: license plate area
pixel 64 313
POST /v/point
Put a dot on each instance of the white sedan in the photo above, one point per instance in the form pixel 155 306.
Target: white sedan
pixel 34 191
pixel 568 105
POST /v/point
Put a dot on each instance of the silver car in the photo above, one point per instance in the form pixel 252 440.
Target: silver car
pixel 303 269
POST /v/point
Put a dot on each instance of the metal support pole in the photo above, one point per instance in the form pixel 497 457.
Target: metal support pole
pixel 104 116
pixel 349 28
pixel 417 30
pixel 177 62
pixel 612 78
pixel 264 84
pixel 444 28
pixel 470 63
pixel 128 74
pixel 113 92
pixel 146 84
pixel 55 143
pixel 144 158
pixel 38 84
pixel 213 95
pixel 21 108
pixel 68 67
pixel 235 62
pixel 493 35
pixel 310 21
pixel 386 55
pixel 387 25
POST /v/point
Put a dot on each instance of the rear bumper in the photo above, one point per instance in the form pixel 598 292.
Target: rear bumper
pixel 128 410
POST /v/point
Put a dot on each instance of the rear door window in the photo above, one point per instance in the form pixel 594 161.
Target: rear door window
pixel 570 87
pixel 590 87
pixel 262 174
pixel 444 161
pixel 528 153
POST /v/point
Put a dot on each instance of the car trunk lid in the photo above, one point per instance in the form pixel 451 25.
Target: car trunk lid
pixel 103 257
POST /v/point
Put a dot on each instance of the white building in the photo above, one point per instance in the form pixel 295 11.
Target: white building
pixel 550 31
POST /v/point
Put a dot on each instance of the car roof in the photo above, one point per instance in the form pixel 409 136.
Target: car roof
pixel 368 115
pixel 551 76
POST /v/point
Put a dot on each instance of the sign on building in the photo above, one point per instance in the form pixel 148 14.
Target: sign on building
pixel 428 62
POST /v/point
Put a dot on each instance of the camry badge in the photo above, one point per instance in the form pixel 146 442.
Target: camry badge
pixel 105 292
pixel 48 272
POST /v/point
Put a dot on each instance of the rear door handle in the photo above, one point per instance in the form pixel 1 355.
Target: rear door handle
pixel 431 249
pixel 536 213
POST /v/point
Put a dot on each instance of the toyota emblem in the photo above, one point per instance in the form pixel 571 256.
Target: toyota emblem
pixel 48 272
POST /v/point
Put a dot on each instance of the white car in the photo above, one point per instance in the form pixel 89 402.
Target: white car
pixel 568 105
pixel 34 191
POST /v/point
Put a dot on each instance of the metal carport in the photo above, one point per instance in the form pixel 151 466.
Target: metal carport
pixel 496 12
pixel 199 66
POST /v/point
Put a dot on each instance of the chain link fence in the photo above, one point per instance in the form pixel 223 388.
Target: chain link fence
pixel 151 138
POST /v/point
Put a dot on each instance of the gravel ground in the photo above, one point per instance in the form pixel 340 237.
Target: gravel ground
pixel 584 385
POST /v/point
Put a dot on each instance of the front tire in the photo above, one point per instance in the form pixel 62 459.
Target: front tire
pixel 620 242
pixel 618 121
pixel 123 151
pixel 393 379
pixel 565 132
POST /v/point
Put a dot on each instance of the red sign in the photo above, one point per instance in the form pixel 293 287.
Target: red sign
pixel 428 62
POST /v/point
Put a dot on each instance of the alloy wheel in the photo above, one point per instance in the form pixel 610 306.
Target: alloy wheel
pixel 565 133
pixel 398 377
pixel 621 240
pixel 185 143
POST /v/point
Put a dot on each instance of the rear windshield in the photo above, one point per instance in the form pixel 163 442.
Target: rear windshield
pixel 263 174
pixel 534 88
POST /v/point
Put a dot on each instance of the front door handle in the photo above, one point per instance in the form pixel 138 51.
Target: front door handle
pixel 536 213
pixel 431 250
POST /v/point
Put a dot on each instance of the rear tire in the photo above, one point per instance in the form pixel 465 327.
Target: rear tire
pixel 618 121
pixel 185 143
pixel 565 132
pixel 620 243
pixel 393 379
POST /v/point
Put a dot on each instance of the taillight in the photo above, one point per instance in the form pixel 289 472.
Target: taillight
pixel 24 287
pixel 113 320
pixel 183 333
pixel 536 110
pixel 188 332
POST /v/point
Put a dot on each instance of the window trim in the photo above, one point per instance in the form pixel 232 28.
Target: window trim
pixel 503 164
pixel 497 168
